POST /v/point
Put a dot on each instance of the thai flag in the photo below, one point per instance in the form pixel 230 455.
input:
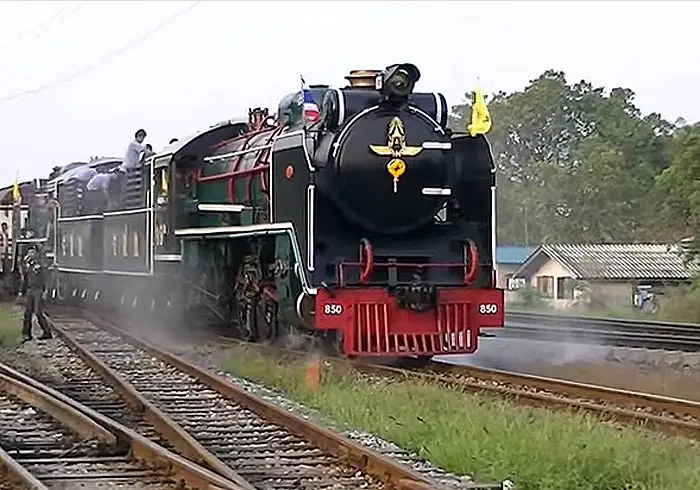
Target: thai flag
pixel 310 109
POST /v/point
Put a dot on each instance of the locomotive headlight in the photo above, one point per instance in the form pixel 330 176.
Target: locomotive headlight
pixel 400 83
pixel 397 81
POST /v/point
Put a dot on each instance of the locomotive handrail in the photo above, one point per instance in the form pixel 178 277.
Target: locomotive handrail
pixel 473 255
pixel 223 143
pixel 367 263
pixel 366 257
pixel 415 265
pixel 231 177
pixel 236 153
pixel 259 169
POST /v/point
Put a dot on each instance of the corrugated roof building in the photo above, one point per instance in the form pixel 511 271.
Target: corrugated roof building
pixel 508 254
pixel 508 260
pixel 610 272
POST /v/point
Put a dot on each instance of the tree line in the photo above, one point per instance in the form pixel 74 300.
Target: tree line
pixel 581 164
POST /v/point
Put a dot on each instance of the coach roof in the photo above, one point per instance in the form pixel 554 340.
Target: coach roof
pixel 73 168
pixel 202 141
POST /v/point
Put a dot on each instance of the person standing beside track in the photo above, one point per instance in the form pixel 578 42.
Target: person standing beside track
pixel 5 253
pixel 5 247
pixel 33 288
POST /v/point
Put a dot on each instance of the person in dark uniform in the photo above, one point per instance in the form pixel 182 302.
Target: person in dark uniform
pixel 33 287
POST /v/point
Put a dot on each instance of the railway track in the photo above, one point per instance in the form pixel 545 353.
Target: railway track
pixel 673 416
pixel 601 331
pixel 50 442
pixel 206 418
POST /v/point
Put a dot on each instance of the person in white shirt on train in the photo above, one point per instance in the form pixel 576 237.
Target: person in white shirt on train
pixel 132 158
pixel 136 152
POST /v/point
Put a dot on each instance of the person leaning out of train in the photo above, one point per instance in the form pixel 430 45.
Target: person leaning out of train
pixel 40 218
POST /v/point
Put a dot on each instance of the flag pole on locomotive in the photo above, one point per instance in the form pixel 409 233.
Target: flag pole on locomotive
pixel 309 110
pixel 481 124
pixel 481 119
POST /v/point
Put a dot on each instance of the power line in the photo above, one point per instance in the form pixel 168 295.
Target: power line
pixel 38 31
pixel 104 58
pixel 42 25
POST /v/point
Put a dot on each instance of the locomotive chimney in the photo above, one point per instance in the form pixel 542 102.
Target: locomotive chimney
pixel 362 78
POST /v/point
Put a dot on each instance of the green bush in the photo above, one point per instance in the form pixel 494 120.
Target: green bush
pixel 9 325
pixel 529 297
pixel 681 304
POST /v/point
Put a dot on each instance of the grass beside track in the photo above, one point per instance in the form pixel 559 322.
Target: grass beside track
pixel 486 438
pixel 9 325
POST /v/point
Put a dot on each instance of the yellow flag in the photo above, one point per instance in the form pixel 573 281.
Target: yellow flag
pixel 481 119
pixel 164 181
pixel 16 195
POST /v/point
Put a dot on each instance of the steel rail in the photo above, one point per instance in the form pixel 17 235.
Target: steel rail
pixel 67 415
pixel 90 424
pixel 668 415
pixel 615 338
pixel 610 331
pixel 64 413
pixel 599 321
pixel 371 462
pixel 13 472
pixel 165 425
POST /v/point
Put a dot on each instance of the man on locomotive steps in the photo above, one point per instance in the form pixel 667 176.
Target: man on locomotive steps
pixel 33 289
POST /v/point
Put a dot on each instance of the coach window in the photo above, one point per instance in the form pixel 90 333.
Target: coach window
pixel 71 245
pixel 64 245
pixel 80 246
pixel 115 244
pixel 135 236
pixel 125 242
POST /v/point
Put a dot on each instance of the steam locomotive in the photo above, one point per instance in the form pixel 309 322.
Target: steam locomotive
pixel 371 228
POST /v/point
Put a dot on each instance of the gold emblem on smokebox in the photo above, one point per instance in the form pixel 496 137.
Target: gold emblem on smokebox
pixel 397 149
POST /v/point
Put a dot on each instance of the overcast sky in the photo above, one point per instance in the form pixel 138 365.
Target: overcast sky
pixel 220 58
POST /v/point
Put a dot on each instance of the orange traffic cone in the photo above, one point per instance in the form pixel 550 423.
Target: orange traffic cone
pixel 313 374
